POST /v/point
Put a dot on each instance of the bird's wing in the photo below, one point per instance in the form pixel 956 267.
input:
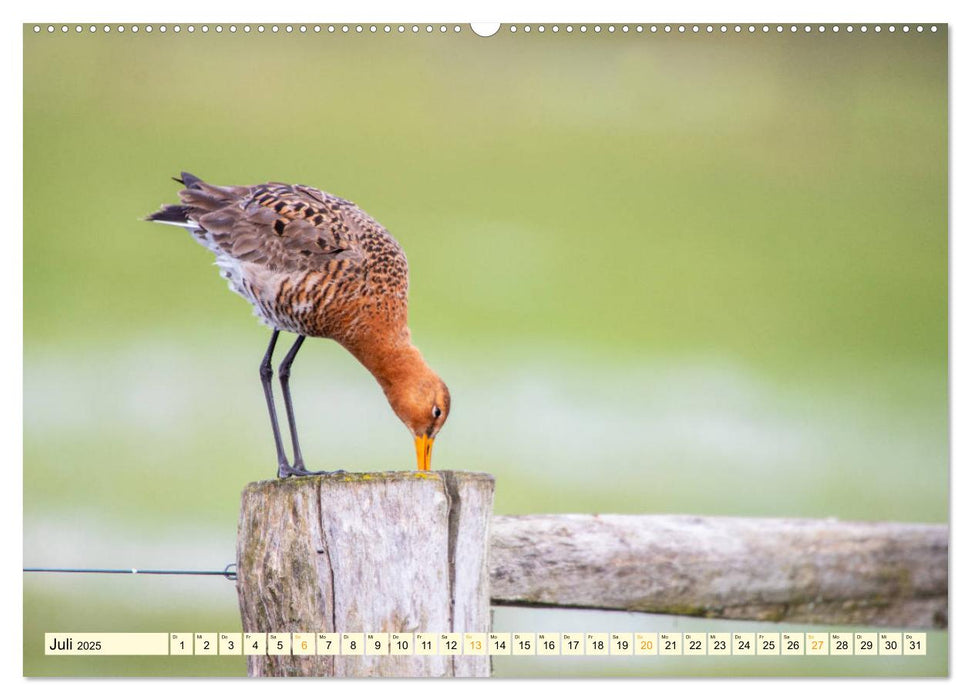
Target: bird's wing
pixel 282 227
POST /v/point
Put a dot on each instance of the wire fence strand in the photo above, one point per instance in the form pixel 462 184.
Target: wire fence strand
pixel 228 573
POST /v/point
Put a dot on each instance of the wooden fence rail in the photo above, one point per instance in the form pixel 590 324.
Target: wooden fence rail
pixel 421 552
pixel 811 571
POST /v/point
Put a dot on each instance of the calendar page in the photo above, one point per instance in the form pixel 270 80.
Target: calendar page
pixel 661 307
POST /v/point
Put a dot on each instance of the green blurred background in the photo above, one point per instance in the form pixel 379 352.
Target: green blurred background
pixel 660 274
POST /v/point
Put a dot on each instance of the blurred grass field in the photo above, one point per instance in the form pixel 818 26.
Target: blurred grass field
pixel 698 274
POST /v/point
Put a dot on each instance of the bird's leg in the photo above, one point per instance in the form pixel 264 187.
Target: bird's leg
pixel 298 468
pixel 266 377
pixel 288 402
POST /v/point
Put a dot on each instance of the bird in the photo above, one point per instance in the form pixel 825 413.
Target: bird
pixel 318 266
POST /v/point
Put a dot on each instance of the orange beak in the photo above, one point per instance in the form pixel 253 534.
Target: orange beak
pixel 423 450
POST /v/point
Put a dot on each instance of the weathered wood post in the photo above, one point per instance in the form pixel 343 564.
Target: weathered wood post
pixel 366 552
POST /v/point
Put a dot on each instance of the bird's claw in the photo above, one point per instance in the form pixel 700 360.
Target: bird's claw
pixel 285 470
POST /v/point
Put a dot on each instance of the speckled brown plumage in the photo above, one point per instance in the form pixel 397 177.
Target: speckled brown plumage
pixel 315 264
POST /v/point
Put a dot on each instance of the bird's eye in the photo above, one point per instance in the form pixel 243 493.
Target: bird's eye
pixel 436 412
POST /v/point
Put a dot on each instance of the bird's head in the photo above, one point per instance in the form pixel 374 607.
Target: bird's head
pixel 421 400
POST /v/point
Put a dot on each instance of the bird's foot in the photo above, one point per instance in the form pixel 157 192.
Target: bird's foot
pixel 285 470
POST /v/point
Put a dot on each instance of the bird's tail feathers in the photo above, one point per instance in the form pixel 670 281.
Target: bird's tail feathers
pixel 198 198
pixel 189 180
pixel 170 214
pixel 201 197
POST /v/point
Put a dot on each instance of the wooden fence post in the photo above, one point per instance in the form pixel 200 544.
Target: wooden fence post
pixel 366 552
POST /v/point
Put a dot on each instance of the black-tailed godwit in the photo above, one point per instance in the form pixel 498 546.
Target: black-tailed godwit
pixel 318 266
